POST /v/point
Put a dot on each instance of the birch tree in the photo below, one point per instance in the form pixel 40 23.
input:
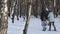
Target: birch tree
pixel 28 18
pixel 55 9
pixel 4 17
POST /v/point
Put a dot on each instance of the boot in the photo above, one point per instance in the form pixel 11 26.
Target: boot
pixel 44 29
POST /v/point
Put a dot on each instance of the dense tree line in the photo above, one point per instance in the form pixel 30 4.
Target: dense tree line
pixel 21 8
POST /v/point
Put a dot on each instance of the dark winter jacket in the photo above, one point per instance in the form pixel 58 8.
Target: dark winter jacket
pixel 44 15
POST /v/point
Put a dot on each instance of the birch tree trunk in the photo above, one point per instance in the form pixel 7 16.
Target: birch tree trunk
pixel 28 18
pixel 4 17
pixel 55 9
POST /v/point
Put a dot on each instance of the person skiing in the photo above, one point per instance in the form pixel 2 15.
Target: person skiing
pixel 51 20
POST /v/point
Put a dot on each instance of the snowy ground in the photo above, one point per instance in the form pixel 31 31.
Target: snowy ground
pixel 34 26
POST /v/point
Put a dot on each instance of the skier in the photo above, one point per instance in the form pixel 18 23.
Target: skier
pixel 51 20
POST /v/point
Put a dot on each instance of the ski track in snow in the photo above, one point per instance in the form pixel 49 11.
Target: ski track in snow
pixel 34 26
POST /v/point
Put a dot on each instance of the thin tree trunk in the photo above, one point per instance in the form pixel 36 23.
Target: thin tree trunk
pixel 36 9
pixel 55 9
pixel 19 7
pixel 9 6
pixel 4 18
pixel 28 19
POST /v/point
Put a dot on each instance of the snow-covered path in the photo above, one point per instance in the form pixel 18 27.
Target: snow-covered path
pixel 34 26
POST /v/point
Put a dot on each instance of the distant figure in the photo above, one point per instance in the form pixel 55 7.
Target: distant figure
pixel 44 17
pixel 51 20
